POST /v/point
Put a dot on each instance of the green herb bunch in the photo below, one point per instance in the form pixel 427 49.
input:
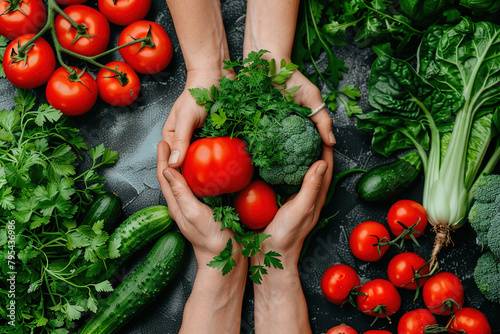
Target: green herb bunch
pixel 43 197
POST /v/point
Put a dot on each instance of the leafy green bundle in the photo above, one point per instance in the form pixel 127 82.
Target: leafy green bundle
pixel 448 108
pixel 42 199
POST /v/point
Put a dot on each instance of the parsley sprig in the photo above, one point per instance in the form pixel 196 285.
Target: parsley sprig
pixel 41 190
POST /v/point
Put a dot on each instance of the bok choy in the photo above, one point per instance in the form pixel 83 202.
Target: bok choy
pixel 448 108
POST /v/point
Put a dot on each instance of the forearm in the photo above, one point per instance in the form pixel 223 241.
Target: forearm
pixel 201 34
pixel 270 25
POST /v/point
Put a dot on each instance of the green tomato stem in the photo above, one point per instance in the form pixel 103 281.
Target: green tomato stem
pixel 53 6
pixel 47 26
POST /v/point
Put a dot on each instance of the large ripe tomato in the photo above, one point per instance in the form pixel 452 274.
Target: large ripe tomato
pixel 35 69
pixel 379 298
pixel 146 59
pixel 407 212
pixel 471 321
pixel 26 17
pixel 414 322
pixel 216 166
pixel 341 329
pixel 124 12
pixel 110 88
pixel 256 205
pixel 338 281
pixel 73 98
pixel 363 240
pixel 97 30
pixel 70 2
pixel 441 292
pixel 402 268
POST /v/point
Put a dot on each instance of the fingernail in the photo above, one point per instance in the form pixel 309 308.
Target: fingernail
pixel 167 174
pixel 174 157
pixel 321 169
pixel 332 138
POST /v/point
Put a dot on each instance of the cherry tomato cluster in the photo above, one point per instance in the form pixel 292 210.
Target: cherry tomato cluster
pixel 83 32
pixel 443 293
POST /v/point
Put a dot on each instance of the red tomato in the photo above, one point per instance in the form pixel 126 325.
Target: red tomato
pixel 364 237
pixel 414 322
pixel 342 329
pixel 149 59
pixel 110 88
pixel 73 98
pixel 407 212
pixel 381 294
pixel 26 18
pixel 216 166
pixel 377 331
pixel 124 12
pixel 70 2
pixel 256 205
pixel 338 281
pixel 402 268
pixel 471 321
pixel 97 27
pixel 39 66
pixel 440 290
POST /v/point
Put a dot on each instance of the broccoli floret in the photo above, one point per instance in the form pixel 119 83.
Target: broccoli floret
pixel 494 236
pixel 302 145
pixel 487 189
pixel 487 276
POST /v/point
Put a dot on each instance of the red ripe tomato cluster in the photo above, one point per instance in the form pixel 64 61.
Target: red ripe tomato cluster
pixel 443 293
pixel 83 32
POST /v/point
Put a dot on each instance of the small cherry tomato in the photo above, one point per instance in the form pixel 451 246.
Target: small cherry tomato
pixel 402 270
pixel 124 12
pixel 407 212
pixel 341 329
pixel 94 26
pixel 414 322
pixel 378 298
pixel 144 57
pixel 72 98
pixel 470 321
pixel 35 69
pixel 441 292
pixel 216 166
pixel 27 17
pixel 338 281
pixel 364 238
pixel 110 88
pixel 256 205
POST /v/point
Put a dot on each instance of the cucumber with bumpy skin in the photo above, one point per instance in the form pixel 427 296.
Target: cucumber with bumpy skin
pixel 141 287
pixel 106 207
pixel 385 182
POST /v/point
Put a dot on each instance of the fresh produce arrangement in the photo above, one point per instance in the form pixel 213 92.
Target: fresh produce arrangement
pixel 82 32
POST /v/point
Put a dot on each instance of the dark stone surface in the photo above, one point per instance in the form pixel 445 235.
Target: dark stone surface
pixel 134 131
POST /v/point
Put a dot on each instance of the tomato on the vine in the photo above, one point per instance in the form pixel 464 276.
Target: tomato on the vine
pixel 124 12
pixel 111 89
pixel 414 322
pixel 73 98
pixel 32 70
pixel 94 35
pixel 338 281
pixel 364 238
pixel 144 57
pixel 216 166
pixel 402 270
pixel 342 329
pixel 378 298
pixel 442 292
pixel 21 17
pixel 470 321
pixel 256 205
pixel 407 212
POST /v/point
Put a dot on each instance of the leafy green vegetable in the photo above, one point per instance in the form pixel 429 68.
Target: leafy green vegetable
pixel 3 45
pixel 42 195
pixel 447 109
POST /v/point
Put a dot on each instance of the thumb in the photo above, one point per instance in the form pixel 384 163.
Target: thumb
pixel 183 132
pixel 308 194
pixel 324 124
pixel 187 202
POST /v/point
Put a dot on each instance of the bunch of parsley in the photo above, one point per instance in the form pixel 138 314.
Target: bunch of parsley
pixel 44 195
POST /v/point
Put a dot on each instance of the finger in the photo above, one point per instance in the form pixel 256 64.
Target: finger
pixel 168 131
pixel 327 156
pixel 184 128
pixel 307 196
pixel 323 122
pixel 163 152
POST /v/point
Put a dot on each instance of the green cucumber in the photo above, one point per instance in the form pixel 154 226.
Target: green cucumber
pixel 106 207
pixel 385 182
pixel 141 287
